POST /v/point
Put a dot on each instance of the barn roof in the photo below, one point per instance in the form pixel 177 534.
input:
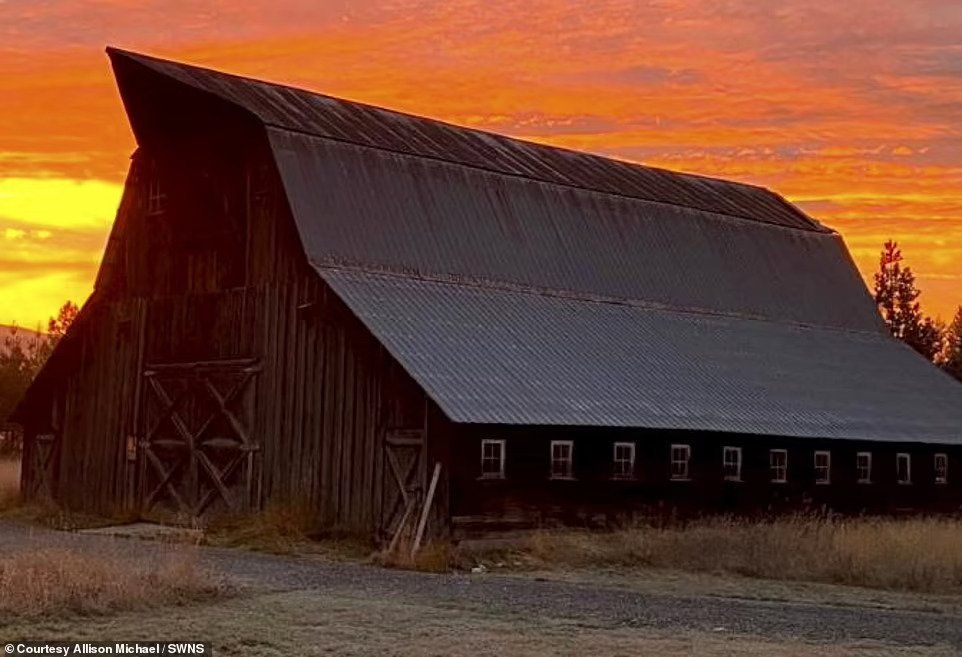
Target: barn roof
pixel 524 284
pixel 504 356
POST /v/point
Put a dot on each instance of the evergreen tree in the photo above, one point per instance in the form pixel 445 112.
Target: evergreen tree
pixel 897 299
pixel 22 354
pixel 952 360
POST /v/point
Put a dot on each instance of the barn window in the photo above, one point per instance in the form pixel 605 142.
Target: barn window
pixel 680 457
pixel 903 468
pixel 492 459
pixel 863 464
pixel 624 461
pixel 156 198
pixel 941 469
pixel 561 459
pixel 778 465
pixel 732 463
pixel 823 467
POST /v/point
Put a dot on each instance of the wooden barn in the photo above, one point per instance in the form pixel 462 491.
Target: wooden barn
pixel 400 322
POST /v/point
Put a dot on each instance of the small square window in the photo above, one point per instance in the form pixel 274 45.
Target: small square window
pixel 941 469
pixel 823 467
pixel 624 461
pixel 778 465
pixel 562 459
pixel 156 198
pixel 732 463
pixel 863 466
pixel 492 459
pixel 680 457
pixel 903 468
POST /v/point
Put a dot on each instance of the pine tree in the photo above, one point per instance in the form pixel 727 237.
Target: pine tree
pixel 23 353
pixel 897 299
pixel 952 360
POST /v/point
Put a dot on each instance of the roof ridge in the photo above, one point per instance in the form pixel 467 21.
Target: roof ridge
pixel 810 224
pixel 520 288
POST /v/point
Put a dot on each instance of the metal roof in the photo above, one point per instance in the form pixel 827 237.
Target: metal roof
pixel 360 206
pixel 342 120
pixel 512 357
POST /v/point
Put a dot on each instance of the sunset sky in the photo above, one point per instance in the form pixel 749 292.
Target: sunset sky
pixel 851 109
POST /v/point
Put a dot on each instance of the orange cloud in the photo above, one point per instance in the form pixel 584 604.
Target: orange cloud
pixel 854 110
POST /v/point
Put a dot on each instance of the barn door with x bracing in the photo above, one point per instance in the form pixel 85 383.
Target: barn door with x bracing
pixel 46 448
pixel 197 447
pixel 404 457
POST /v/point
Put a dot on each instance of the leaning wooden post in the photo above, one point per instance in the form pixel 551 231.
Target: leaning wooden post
pixel 400 528
pixel 426 509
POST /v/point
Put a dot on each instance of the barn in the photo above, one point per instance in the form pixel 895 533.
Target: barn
pixel 400 322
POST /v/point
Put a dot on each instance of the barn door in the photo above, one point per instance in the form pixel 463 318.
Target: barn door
pixel 197 448
pixel 45 453
pixel 46 450
pixel 405 473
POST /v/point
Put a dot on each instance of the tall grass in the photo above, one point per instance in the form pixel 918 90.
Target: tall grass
pixel 39 582
pixel 912 554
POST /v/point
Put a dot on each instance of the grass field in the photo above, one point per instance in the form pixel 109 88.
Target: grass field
pixel 319 623
pixel 918 554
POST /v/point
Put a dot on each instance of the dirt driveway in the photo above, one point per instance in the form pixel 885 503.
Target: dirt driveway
pixel 288 605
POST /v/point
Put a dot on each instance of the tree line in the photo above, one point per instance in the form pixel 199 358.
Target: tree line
pixel 22 354
pixel 897 297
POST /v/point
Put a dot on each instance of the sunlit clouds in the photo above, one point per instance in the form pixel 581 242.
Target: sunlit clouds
pixel 853 110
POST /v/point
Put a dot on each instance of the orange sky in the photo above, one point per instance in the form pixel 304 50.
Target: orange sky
pixel 851 109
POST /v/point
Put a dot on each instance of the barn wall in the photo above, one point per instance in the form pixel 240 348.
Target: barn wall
pixel 182 309
pixel 528 496
pixel 74 439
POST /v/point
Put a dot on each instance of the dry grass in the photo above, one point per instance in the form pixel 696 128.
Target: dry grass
pixel 433 557
pixel 283 529
pixel 45 581
pixel 9 484
pixel 915 554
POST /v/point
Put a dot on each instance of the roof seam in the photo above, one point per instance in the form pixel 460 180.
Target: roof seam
pixel 570 295
pixel 815 226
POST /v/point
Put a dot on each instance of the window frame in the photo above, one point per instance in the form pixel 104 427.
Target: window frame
pixel 944 478
pixel 502 443
pixel 738 463
pixel 570 444
pixel 828 467
pixel 687 461
pixel 630 474
pixel 908 468
pixel 156 196
pixel 858 468
pixel 772 467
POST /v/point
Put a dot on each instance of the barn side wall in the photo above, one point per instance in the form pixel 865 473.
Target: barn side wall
pixel 202 289
pixel 528 496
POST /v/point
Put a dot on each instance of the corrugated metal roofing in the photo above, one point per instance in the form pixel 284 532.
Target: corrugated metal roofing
pixel 342 120
pixel 501 356
pixel 355 205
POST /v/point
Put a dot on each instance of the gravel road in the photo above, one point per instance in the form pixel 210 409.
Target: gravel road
pixel 600 605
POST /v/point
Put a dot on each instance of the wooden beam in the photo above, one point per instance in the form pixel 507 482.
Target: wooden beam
pixel 400 528
pixel 425 510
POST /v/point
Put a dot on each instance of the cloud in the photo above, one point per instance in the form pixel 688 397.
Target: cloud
pixel 58 202
pixel 852 109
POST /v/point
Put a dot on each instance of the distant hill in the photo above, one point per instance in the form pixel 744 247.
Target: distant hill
pixel 7 331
